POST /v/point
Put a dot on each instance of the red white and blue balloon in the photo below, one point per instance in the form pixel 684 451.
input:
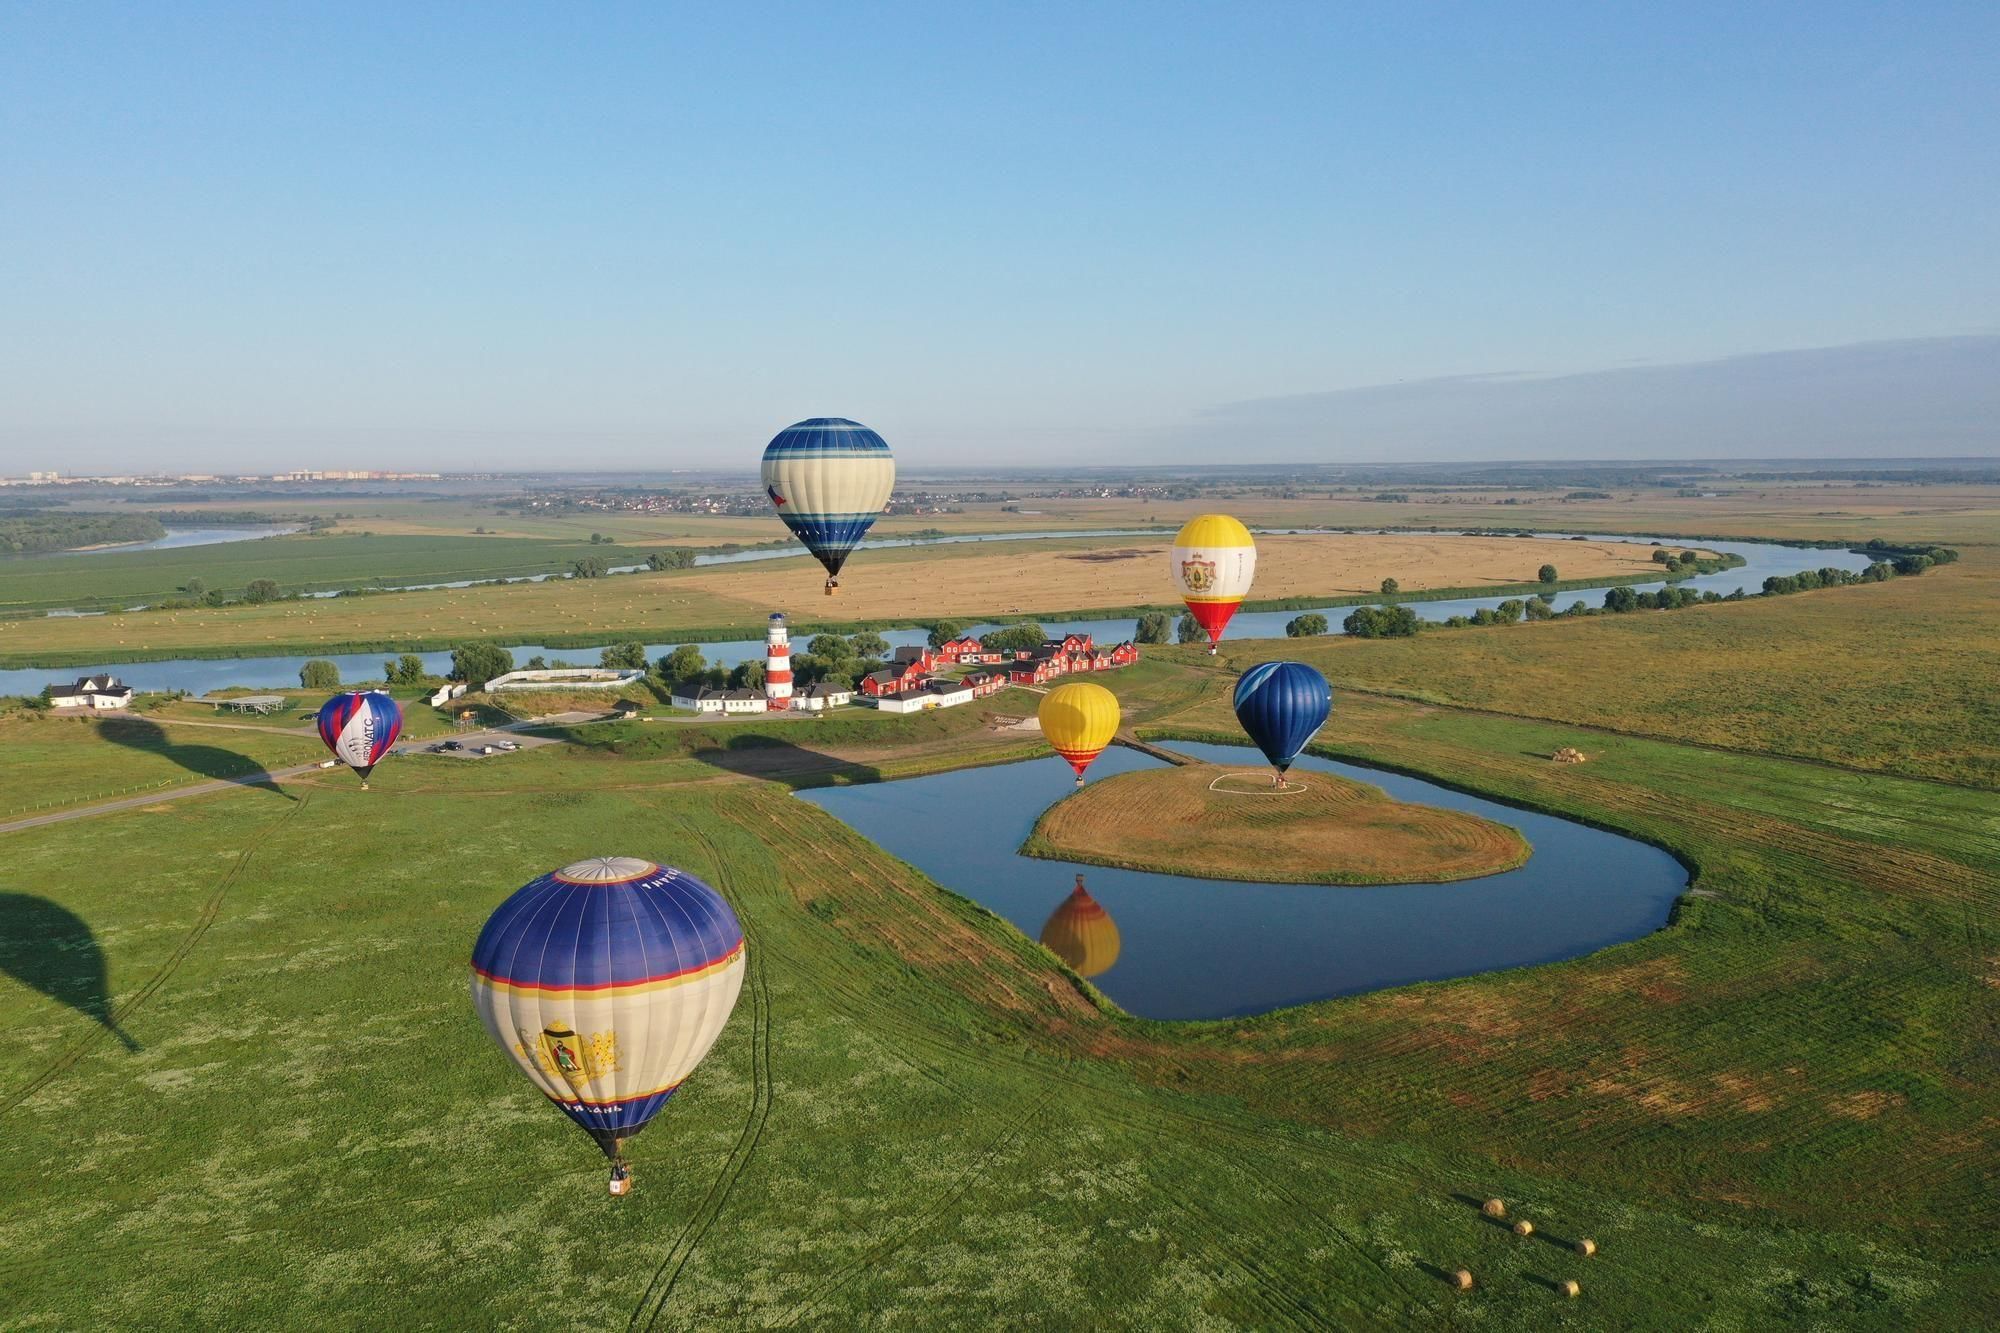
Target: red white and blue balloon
pixel 360 727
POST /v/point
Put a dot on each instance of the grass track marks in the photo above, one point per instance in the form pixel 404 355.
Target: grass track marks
pixel 654 1303
pixel 209 912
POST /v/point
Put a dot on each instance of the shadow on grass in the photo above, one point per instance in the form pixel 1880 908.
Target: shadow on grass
pixel 48 948
pixel 777 760
pixel 210 761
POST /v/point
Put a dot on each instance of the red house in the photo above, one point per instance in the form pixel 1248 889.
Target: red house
pixel 960 650
pixel 894 678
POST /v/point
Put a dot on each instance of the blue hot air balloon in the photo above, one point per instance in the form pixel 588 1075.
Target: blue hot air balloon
pixel 359 727
pixel 829 477
pixel 606 982
pixel 1281 705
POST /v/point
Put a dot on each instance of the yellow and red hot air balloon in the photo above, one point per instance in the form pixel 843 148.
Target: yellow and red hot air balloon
pixel 1214 561
pixel 1082 933
pixel 1079 718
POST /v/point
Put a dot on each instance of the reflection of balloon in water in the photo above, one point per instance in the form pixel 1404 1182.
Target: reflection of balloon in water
pixel 606 983
pixel 1079 718
pixel 1281 705
pixel 48 948
pixel 1214 560
pixel 829 477
pixel 1082 934
pixel 359 727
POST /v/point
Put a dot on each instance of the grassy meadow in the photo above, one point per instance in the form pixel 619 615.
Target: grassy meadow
pixel 1228 823
pixel 1898 677
pixel 276 1104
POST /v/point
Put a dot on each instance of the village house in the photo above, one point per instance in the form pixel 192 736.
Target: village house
pixel 96 692
pixel 932 694
pixel 895 677
pixel 820 697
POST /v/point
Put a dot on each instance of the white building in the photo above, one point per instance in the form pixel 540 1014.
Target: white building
pixel 821 697
pixel 931 694
pixel 777 664
pixel 98 692
pixel 720 701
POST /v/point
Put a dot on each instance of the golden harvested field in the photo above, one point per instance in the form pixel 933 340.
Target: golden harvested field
pixel 1228 823
pixel 916 583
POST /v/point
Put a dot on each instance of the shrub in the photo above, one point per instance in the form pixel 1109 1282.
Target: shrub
pixel 405 670
pixel 319 674
pixel 1153 627
pixel 1661 557
pixel 683 663
pixel 590 567
pixel 680 557
pixel 1621 599
pixel 944 632
pixel 868 644
pixel 1390 587
pixel 1188 630
pixel 1014 638
pixel 1547 574
pixel 1383 622
pixel 1540 608
pixel 261 590
pixel 623 657
pixel 1305 626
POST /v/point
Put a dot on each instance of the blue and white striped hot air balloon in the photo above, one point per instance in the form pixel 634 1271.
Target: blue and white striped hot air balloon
pixel 1282 705
pixel 606 983
pixel 829 477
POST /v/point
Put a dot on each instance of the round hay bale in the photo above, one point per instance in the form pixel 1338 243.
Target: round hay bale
pixel 1461 1279
pixel 1494 1208
pixel 1570 1288
pixel 1524 1228
pixel 1586 1247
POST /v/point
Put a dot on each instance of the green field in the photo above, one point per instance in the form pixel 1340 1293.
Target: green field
pixel 298 563
pixel 1779 1110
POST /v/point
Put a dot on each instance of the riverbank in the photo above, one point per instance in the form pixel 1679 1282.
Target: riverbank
pixel 1212 822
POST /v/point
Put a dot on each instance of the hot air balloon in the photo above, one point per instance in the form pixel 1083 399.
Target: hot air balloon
pixel 1214 560
pixel 829 477
pixel 1281 705
pixel 1079 718
pixel 1082 934
pixel 359 727
pixel 606 983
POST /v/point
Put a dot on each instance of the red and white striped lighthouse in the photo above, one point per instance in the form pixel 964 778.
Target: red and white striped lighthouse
pixel 777 664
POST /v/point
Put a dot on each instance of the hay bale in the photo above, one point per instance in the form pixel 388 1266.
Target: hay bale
pixel 1461 1279
pixel 1569 1288
pixel 1494 1208
pixel 1524 1228
pixel 1586 1247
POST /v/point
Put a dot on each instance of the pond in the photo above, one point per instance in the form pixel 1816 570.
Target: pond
pixel 199 675
pixel 1210 949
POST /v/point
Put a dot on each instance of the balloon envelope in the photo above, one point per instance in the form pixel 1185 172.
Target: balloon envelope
pixel 1079 718
pixel 606 983
pixel 1281 705
pixel 360 727
pixel 1214 560
pixel 828 477
pixel 1082 934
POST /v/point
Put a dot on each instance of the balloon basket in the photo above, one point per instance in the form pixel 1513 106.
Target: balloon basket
pixel 621 1179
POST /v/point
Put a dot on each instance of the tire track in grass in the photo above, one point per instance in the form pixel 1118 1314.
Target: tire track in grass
pixel 209 911
pixel 654 1302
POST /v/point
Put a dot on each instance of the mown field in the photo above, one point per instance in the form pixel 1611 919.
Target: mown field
pixel 275 1106
pixel 899 585
pixel 1900 677
pixel 298 563
pixel 1228 823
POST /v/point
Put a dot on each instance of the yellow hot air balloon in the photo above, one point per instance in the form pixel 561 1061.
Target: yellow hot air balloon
pixel 1079 718
pixel 1082 934
pixel 1214 560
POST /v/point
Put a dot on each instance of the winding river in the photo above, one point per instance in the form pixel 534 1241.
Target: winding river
pixel 1212 949
pixel 201 675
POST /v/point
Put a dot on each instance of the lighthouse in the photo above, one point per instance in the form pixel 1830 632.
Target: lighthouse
pixel 777 665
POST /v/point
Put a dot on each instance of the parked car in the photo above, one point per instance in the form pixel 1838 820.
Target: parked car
pixel 451 745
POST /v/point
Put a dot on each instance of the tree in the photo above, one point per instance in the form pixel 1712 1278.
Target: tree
pixel 1382 622
pixel 319 674
pixel 1305 626
pixel 1913 564
pixel 683 663
pixel 405 670
pixel 1026 635
pixel 477 663
pixel 598 539
pixel 536 663
pixel 623 657
pixel 261 590
pixel 1510 611
pixel 1188 630
pixel 1153 627
pixel 195 588
pixel 1690 559
pixel 945 631
pixel 590 567
pixel 1547 574
pixel 1662 556
pixel 868 644
pixel 830 646
pixel 1621 599
pixel 680 557
pixel 748 675
pixel 1390 587
pixel 1538 608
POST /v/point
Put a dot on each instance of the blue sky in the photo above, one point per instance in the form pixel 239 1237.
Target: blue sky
pixel 442 235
